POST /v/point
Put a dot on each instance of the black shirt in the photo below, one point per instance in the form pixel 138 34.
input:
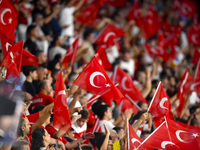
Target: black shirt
pixel 29 88
pixel 32 47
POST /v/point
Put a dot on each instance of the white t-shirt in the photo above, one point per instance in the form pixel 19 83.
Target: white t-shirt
pixel 129 66
pixel 108 124
pixel 67 19
pixel 79 130
pixel 54 51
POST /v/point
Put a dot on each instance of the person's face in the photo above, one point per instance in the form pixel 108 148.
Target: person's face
pixel 144 106
pixel 142 78
pixel 109 113
pixel 34 75
pixel 71 134
pixel 126 56
pixel 46 137
pixel 81 122
pixel 43 58
pixel 121 134
pixel 48 87
pixel 27 126
pixel 40 21
pixel 110 146
pixel 42 74
pixel 35 33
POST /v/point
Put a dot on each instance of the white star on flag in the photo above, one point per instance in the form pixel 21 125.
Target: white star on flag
pixel 195 134
pixel 108 85
pixel 58 109
pixel 10 20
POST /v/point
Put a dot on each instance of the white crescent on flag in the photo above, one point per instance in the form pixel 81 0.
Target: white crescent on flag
pixel 124 85
pixel 133 140
pixel 162 102
pixel 3 13
pixel 164 143
pixel 64 100
pixel 178 135
pixel 194 38
pixel 108 35
pixel 93 75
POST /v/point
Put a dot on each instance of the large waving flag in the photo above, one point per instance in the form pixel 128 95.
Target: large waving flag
pixel 8 21
pixel 27 58
pixel 181 92
pixel 109 33
pixel 196 55
pixel 116 3
pixel 126 85
pixel 160 105
pixel 95 80
pixel 196 84
pixel 71 53
pixel 61 119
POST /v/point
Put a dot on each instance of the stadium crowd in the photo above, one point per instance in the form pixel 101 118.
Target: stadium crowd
pixel 156 52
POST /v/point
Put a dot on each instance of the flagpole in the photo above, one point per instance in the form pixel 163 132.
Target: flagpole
pixel 197 69
pixel 128 135
pixel 114 74
pixel 154 96
pixel 132 101
pixel 92 100
pixel 151 134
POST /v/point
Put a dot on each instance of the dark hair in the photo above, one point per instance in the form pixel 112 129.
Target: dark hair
pixel 96 105
pixel 42 84
pixel 100 139
pixel 137 116
pixel 37 139
pixel 38 108
pixel 101 110
pixel 117 129
pixel 30 28
pixel 71 76
pixel 28 69
pixel 86 147
pixel 38 52
pixel 84 114
pixel 96 135
pixel 87 32
pixel 19 145
pixel 19 129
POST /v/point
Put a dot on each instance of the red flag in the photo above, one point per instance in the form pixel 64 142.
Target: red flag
pixel 96 80
pixel 61 119
pixel 188 8
pixel 116 3
pixel 110 32
pixel 88 15
pixel 196 57
pixel 161 39
pixel 194 34
pixel 188 85
pixel 27 58
pixel 13 59
pixel 186 136
pixel 101 55
pixel 176 5
pixel 164 140
pixel 160 105
pixel 151 23
pixel 133 141
pixel 181 92
pixel 154 52
pixel 196 84
pixel 126 85
pixel 129 104
pixel 136 14
pixel 71 53
pixel 8 21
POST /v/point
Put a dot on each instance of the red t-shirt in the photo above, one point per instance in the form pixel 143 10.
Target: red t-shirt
pixel 33 117
pixel 51 131
pixel 40 99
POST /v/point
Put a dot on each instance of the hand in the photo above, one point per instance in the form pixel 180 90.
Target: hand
pixel 67 92
pixel 128 113
pixel 88 135
pixel 75 118
pixel 106 130
pixel 144 117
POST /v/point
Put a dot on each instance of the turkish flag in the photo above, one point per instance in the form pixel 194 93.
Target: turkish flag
pixel 8 20
pixel 154 52
pixel 13 59
pixel 71 53
pixel 96 81
pixel 151 23
pixel 88 15
pixel 61 118
pixel 27 58
pixel 126 85
pixel 133 141
pixel 129 104
pixel 162 139
pixel 194 34
pixel 92 100
pixel 176 5
pixel 196 84
pixel 181 92
pixel 102 57
pixel 161 39
pixel 109 33
pixel 136 14
pixel 196 57
pixel 160 105
pixel 186 136
pixel 188 8
pixel 116 3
